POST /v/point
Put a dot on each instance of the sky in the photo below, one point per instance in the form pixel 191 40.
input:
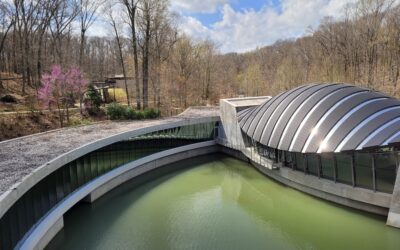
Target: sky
pixel 244 25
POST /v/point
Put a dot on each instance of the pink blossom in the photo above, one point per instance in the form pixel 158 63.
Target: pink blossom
pixel 59 87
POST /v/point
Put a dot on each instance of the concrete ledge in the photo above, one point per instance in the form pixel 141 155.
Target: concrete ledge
pixel 50 234
pixel 393 220
pixel 47 227
pixel 361 199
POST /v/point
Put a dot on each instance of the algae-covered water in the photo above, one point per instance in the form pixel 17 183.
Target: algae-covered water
pixel 217 202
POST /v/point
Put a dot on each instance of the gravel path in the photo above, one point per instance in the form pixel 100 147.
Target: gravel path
pixel 19 157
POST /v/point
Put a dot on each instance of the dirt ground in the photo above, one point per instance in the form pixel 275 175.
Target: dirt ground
pixel 24 117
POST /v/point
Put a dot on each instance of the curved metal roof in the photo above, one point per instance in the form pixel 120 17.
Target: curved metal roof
pixel 320 118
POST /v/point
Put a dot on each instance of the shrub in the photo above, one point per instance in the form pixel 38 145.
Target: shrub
pixel 151 113
pixel 130 114
pixel 92 101
pixel 140 115
pixel 116 111
pixel 119 112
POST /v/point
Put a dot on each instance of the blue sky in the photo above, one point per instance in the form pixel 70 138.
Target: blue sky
pixel 208 19
pixel 240 26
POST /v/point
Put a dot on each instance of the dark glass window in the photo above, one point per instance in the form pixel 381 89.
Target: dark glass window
pixel 343 164
pixel 281 156
pixel 385 171
pixel 293 160
pixel 363 170
pixel 299 162
pixel 327 166
pixel 288 159
pixel 312 164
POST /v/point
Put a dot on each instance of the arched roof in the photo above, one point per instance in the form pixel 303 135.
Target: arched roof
pixel 320 118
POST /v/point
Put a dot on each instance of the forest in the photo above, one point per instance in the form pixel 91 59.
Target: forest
pixel 170 70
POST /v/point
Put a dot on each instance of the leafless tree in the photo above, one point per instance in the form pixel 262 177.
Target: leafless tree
pixel 88 10
pixel 116 29
pixel 131 8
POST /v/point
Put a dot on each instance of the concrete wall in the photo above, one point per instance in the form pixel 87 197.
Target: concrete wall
pixel 231 130
pixel 14 193
pixel 394 212
pixel 41 234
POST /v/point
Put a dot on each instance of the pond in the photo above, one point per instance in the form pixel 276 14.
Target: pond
pixel 217 202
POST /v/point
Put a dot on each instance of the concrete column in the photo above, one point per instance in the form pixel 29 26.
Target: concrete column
pixel 393 218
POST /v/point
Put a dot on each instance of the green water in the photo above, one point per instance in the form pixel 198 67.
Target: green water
pixel 218 203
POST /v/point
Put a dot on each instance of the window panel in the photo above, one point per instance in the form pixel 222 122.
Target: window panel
pixel 312 164
pixel 363 170
pixel 288 159
pixel 327 166
pixel 299 162
pixel 343 162
pixel 385 172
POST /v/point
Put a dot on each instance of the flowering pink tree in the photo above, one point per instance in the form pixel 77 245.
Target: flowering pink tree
pixel 75 80
pixel 61 89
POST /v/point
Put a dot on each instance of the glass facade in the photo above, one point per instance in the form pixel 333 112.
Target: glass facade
pixel 371 170
pixel 42 197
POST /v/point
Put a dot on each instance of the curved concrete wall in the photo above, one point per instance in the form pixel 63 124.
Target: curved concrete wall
pixel 39 236
pixel 8 198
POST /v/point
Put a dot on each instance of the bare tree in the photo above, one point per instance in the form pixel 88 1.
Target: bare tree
pixel 131 8
pixel 6 23
pixel 60 25
pixel 185 60
pixel 165 35
pixel 115 27
pixel 87 15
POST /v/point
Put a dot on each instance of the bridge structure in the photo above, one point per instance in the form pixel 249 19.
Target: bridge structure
pixel 42 176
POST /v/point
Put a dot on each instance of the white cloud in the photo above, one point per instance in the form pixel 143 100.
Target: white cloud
pixel 194 28
pixel 100 29
pixel 197 6
pixel 241 31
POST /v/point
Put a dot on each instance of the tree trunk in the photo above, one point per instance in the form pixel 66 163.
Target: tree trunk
pixel 146 63
pixel 158 86
pixel 135 59
pixel 3 39
pixel 121 58
pixel 83 31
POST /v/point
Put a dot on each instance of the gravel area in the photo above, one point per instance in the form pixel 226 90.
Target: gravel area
pixel 19 157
